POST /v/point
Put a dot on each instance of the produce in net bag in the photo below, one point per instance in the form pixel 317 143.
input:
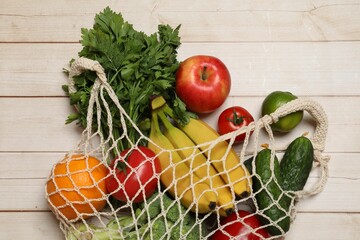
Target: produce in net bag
pixel 170 175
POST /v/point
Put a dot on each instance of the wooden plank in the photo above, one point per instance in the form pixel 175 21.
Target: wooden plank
pixel 274 5
pixel 257 69
pixel 23 194
pixel 38 123
pixel 319 68
pixel 37 165
pixel 46 22
pixel 42 76
pixel 309 226
pixel 319 25
pixel 29 225
pixel 20 192
pixel 39 7
pixel 28 165
pixel 337 196
pixel 322 21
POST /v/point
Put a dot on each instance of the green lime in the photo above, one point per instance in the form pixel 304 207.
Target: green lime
pixel 275 100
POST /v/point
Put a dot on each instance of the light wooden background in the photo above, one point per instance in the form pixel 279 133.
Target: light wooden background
pixel 311 48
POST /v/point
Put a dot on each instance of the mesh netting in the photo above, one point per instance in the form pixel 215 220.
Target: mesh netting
pixel 189 196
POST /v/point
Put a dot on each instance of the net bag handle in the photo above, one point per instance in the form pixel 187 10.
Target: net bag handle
pixel 101 84
pixel 318 138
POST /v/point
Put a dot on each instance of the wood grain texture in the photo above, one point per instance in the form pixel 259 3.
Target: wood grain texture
pixel 37 165
pixel 309 47
pixel 29 225
pixel 312 226
pixel 38 124
pixel 291 21
pixel 256 68
pixel 28 195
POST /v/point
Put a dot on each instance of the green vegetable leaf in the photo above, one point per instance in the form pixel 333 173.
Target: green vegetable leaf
pixel 65 88
pixel 138 66
pixel 72 117
pixel 180 113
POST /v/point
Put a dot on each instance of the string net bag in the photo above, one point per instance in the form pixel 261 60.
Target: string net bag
pixel 181 199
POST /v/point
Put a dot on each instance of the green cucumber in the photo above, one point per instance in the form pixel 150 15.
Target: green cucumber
pixel 296 164
pixel 266 198
pixel 248 164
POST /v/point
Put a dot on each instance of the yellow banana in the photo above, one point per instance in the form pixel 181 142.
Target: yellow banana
pixel 196 161
pixel 230 168
pixel 176 175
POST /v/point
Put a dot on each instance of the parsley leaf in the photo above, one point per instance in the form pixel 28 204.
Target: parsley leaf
pixel 138 66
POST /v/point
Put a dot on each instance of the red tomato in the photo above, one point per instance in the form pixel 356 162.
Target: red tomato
pixel 232 119
pixel 132 180
pixel 245 227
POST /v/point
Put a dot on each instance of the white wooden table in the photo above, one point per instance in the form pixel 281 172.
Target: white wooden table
pixel 311 48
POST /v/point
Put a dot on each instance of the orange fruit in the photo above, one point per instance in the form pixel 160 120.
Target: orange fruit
pixel 76 187
pixel 275 100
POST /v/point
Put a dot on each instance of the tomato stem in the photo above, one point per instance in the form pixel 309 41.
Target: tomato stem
pixel 236 119
pixel 121 165
pixel 265 145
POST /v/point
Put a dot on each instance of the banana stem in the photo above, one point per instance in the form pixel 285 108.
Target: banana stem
pixel 168 111
pixel 165 120
pixel 155 123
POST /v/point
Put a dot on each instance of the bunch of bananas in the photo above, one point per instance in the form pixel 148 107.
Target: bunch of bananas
pixel 206 177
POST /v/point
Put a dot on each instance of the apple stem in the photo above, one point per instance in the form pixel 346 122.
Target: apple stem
pixel 204 73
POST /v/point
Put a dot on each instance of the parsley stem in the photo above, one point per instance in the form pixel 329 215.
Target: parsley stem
pixel 114 76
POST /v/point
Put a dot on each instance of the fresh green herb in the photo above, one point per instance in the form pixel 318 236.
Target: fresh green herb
pixel 138 66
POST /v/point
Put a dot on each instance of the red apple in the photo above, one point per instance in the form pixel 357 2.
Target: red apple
pixel 202 83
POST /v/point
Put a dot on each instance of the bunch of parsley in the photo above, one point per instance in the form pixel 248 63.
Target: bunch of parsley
pixel 137 66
